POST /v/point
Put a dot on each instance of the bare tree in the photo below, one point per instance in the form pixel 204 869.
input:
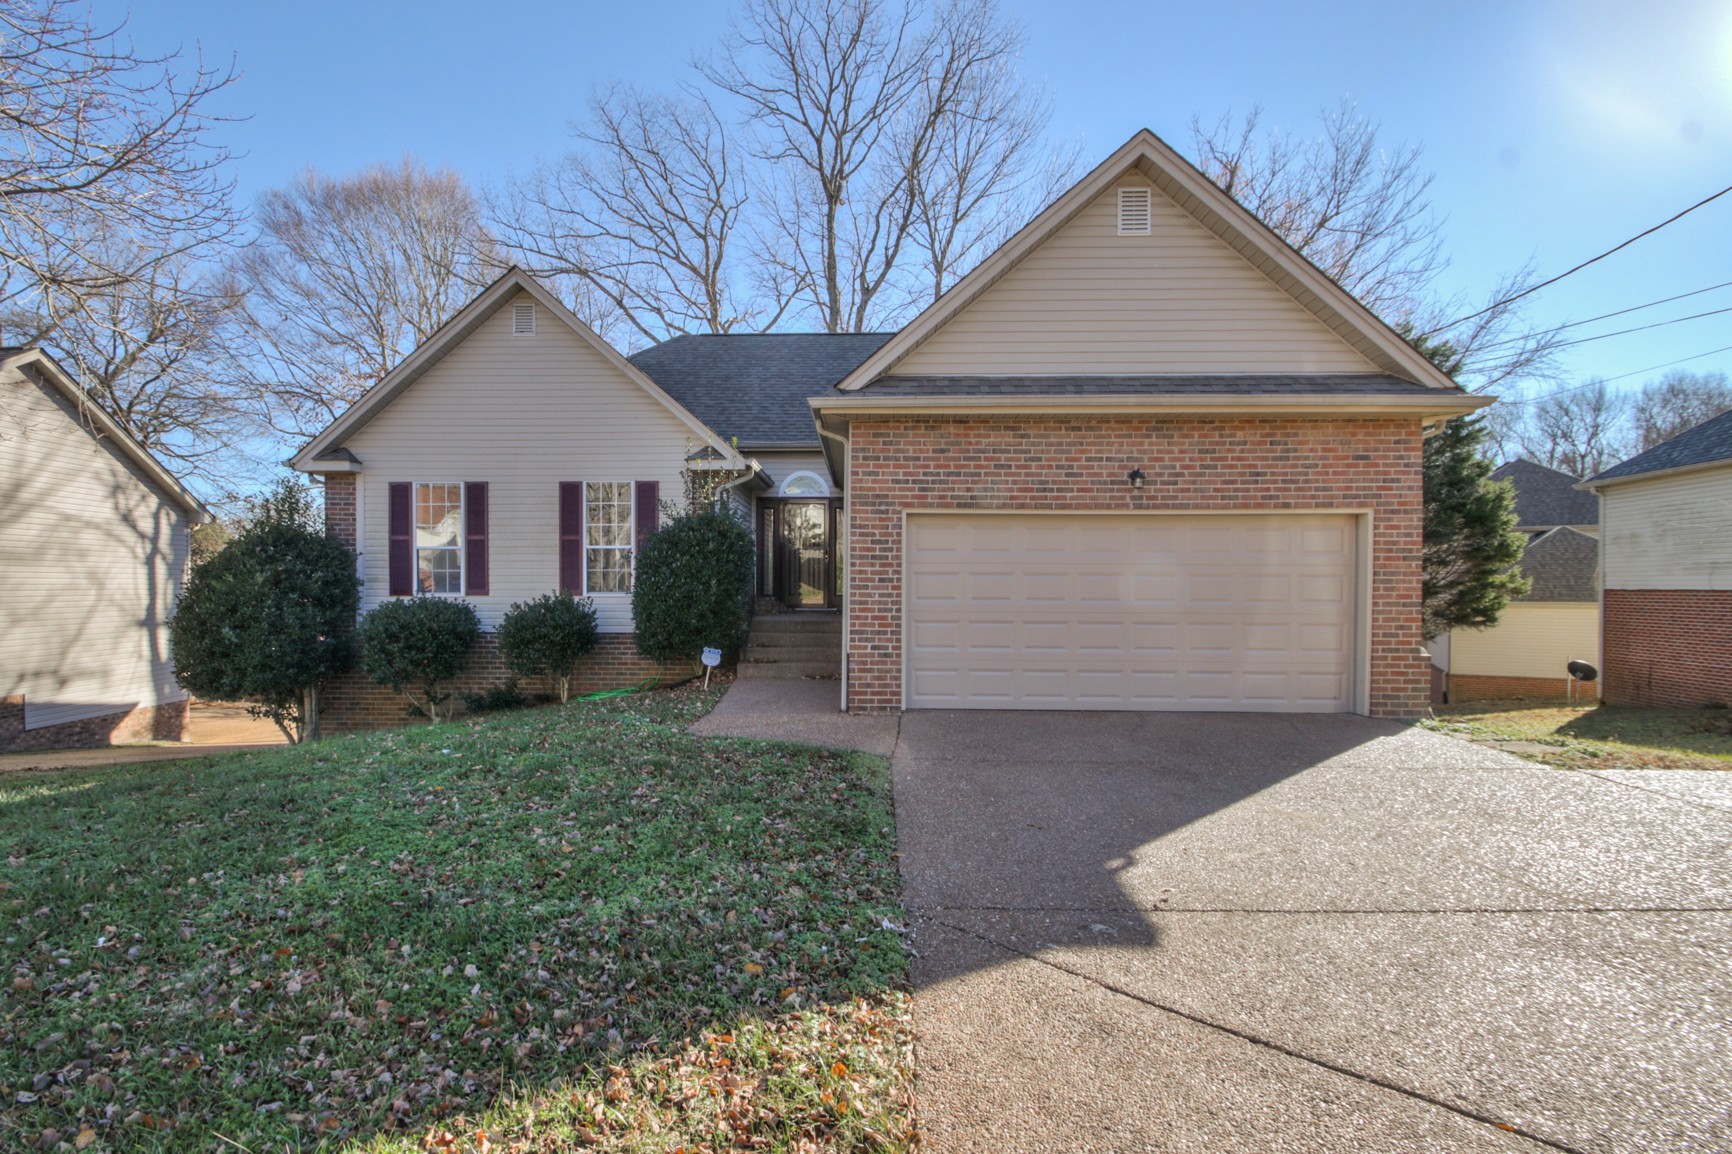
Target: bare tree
pixel 1579 431
pixel 856 108
pixel 346 277
pixel 1362 214
pixel 1678 401
pixel 648 216
pixel 97 140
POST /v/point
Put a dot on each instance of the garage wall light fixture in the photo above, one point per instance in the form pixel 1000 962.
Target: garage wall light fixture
pixel 1136 478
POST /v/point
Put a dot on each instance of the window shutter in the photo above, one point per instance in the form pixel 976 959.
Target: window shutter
pixel 475 538
pixel 649 507
pixel 402 548
pixel 571 537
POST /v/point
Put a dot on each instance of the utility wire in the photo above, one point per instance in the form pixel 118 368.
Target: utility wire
pixel 1578 268
pixel 1619 377
pixel 1639 308
pixel 1642 328
pixel 1479 354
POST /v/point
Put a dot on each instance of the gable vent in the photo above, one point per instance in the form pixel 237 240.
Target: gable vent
pixel 523 319
pixel 1136 211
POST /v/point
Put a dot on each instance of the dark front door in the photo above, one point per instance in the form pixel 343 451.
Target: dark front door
pixel 802 553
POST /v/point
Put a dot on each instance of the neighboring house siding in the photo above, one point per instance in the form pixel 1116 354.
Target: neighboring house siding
pixel 1669 533
pixel 521 413
pixel 95 557
pixel 1531 639
pixel 1090 301
pixel 899 464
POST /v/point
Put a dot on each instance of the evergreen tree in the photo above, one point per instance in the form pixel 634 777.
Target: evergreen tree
pixel 1471 543
pixel 269 617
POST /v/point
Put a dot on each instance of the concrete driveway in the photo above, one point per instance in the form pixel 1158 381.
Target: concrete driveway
pixel 1265 933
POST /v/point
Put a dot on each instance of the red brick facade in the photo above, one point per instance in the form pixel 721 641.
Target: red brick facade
pixel 166 722
pixel 1467 687
pixel 340 507
pixel 900 463
pixel 351 702
pixel 1668 647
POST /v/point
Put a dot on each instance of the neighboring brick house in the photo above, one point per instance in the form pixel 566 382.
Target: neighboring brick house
pixel 95 553
pixel 1666 542
pixel 1144 457
pixel 1526 653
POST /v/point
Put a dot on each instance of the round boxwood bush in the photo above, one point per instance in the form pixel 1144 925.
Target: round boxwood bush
pixel 546 636
pixel 693 585
pixel 420 644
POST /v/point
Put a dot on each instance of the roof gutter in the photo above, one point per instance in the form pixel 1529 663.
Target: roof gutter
pixel 1426 408
pixel 1593 484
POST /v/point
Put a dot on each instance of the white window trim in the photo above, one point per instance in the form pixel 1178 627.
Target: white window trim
pixel 631 538
pixel 462 549
pixel 782 489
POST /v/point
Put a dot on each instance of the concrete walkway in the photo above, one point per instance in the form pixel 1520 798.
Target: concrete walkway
pixel 805 710
pixel 1193 932
pixel 215 727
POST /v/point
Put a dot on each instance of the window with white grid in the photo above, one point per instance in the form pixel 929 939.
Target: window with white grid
pixel 607 536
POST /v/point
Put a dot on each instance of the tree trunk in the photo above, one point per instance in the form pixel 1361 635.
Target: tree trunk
pixel 310 731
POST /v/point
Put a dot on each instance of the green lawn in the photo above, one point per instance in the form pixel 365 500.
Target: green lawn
pixel 1598 738
pixel 568 925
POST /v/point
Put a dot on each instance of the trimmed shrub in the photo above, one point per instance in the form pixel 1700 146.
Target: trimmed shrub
pixel 546 636
pixel 693 585
pixel 420 643
pixel 269 617
pixel 497 698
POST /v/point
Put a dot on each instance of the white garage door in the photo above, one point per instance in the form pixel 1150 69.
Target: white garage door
pixel 1057 611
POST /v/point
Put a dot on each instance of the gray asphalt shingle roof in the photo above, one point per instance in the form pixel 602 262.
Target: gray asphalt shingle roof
pixel 1547 497
pixel 1561 565
pixel 754 386
pixel 1710 441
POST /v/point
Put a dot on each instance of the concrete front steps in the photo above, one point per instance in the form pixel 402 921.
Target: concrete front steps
pixel 792 645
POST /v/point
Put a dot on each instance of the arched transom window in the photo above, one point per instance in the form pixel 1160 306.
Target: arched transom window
pixel 804 485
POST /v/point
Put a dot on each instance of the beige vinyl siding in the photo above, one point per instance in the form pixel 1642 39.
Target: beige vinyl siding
pixel 1668 533
pixel 93 557
pixel 1531 639
pixel 781 466
pixel 522 413
pixel 1091 301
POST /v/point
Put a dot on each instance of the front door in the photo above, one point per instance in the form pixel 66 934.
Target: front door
pixel 798 565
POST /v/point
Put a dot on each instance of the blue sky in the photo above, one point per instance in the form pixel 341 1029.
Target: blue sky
pixel 1555 129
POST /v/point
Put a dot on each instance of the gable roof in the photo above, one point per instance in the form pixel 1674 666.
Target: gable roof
pixel 1547 497
pixel 324 452
pixel 1706 444
pixel 1561 564
pixel 104 427
pixel 753 386
pixel 1149 156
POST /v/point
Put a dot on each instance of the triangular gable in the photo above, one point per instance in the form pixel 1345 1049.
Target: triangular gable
pixel 107 430
pixel 994 320
pixel 324 452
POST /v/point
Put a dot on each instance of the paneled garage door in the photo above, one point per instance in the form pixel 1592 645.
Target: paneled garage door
pixel 1080 611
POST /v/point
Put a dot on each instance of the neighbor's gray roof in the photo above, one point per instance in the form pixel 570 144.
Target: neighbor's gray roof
pixel 1561 565
pixel 1705 443
pixel 753 386
pixel 1351 384
pixel 1547 497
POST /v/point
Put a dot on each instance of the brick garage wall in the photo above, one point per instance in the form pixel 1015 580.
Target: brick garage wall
pixel 165 722
pixel 1468 687
pixel 351 702
pixel 1668 647
pixel 340 495
pixel 1195 464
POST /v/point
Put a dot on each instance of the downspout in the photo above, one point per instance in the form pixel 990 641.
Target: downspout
pixel 847 549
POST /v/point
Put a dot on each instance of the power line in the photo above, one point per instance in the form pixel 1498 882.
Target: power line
pixel 1639 308
pixel 1642 328
pixel 1478 355
pixel 1578 268
pixel 1619 377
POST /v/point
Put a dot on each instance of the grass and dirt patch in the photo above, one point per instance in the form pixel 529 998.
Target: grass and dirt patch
pixel 1601 737
pixel 552 929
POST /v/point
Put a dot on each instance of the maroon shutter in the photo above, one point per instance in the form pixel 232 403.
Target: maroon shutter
pixel 649 506
pixel 475 538
pixel 402 550
pixel 571 537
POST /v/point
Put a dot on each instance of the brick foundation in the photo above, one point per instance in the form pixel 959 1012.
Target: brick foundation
pixel 900 463
pixel 1668 647
pixel 352 702
pixel 1471 687
pixel 165 722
